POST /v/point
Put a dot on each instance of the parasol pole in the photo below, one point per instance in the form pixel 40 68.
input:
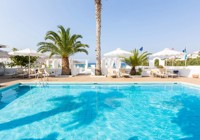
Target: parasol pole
pixel 185 62
pixel 29 66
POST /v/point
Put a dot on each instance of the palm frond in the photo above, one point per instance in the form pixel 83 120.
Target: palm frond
pixel 136 58
pixel 62 43
pixel 82 50
pixel 54 35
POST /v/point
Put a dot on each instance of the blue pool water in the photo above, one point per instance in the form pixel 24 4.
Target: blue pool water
pixel 100 112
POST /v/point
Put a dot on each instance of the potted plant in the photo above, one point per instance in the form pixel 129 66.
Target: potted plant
pixel 138 73
pixel 195 75
pixel 160 67
pixel 136 59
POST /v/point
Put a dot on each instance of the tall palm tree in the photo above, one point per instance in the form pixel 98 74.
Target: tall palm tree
pixel 98 36
pixel 136 59
pixel 63 44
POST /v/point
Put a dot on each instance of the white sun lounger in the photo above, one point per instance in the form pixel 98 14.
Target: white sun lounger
pixel 157 73
pixel 10 74
pixel 123 73
pixel 112 73
pixel 173 75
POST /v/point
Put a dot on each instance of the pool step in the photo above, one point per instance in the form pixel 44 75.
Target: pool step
pixel 41 83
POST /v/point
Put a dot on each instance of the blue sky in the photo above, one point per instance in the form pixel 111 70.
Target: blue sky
pixel 126 24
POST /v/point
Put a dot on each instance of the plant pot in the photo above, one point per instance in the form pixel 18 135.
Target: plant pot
pixel 195 75
pixel 136 76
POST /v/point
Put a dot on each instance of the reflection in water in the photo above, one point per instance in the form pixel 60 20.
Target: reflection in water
pixel 188 117
pixel 85 109
pixel 10 95
pixel 52 136
pixel 133 138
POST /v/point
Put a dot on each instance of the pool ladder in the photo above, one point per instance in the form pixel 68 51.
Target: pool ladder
pixel 41 83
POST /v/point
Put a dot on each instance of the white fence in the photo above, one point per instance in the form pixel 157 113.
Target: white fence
pixel 183 71
pixel 186 71
pixel 52 71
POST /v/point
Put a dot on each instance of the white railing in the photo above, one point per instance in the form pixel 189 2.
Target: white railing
pixel 187 71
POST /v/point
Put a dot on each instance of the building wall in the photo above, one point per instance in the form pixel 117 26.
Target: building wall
pixel 185 71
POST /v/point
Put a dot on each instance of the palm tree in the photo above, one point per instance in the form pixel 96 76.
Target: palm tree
pixel 98 36
pixel 63 44
pixel 136 59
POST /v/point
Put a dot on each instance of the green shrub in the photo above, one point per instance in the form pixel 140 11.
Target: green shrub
pixel 189 62
pixel 139 71
pixel 160 67
pixel 156 63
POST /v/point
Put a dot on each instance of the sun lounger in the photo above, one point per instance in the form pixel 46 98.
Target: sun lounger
pixel 46 74
pixel 158 73
pixel 21 73
pixel 173 75
pixel 49 73
pixel 161 75
pixel 10 74
pixel 112 73
pixel 43 73
pixel 2 85
pixel 123 73
pixel 153 72
pixel 40 73
pixel 33 73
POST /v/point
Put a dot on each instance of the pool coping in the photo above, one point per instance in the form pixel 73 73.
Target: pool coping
pixel 95 83
pixel 10 86
pixel 146 82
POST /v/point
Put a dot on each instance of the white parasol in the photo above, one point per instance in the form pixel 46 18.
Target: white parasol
pixel 25 52
pixel 118 53
pixel 167 53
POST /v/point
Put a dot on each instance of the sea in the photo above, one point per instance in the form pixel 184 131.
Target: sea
pixel 123 65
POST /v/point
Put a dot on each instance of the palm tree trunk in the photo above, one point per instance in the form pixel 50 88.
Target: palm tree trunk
pixel 65 66
pixel 133 71
pixel 98 37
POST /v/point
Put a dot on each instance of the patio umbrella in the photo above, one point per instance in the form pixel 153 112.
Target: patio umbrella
pixel 25 52
pixel 2 46
pixel 118 53
pixel 167 53
pixel 3 54
pixel 196 52
pixel 113 58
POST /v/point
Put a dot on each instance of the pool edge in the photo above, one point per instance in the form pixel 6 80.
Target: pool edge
pixel 10 86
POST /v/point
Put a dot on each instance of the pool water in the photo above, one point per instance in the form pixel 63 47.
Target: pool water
pixel 100 112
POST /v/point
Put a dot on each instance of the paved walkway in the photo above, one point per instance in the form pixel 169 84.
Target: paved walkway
pixel 9 81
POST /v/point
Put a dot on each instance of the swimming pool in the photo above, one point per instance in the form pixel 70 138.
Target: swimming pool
pixel 129 111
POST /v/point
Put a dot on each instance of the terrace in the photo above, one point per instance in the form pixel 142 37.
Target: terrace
pixel 85 78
